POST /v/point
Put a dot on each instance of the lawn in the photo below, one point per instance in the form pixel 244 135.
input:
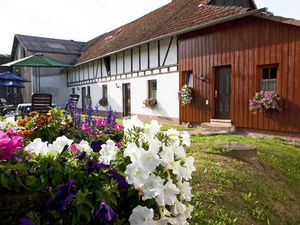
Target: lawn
pixel 228 191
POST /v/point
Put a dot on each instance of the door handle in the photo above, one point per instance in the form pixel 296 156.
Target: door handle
pixel 216 93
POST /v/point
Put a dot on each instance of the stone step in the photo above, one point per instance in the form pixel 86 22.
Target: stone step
pixel 210 133
pixel 220 121
pixel 217 127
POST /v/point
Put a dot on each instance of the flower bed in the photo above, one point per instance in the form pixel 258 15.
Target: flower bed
pixel 94 171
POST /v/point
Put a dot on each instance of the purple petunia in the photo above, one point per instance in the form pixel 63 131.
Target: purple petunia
pixel 105 214
pixel 94 165
pixel 63 195
pixel 123 185
pixel 96 145
pixel 81 155
pixel 25 221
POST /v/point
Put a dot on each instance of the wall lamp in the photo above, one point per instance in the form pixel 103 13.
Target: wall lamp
pixel 117 85
pixel 202 77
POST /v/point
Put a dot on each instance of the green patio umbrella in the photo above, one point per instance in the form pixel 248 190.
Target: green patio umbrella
pixel 37 60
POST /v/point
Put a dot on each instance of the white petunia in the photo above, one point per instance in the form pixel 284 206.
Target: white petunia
pixel 169 194
pixel 108 152
pixel 173 134
pixel 167 155
pixel 188 168
pixel 176 168
pixel 131 123
pixel 148 160
pixel 153 127
pixel 179 151
pixel 37 146
pixel 141 216
pixel 84 146
pixel 188 211
pixel 186 138
pixel 131 151
pixel 153 187
pixel 178 208
pixel 58 145
pixel 136 175
pixel 185 191
pixel 155 145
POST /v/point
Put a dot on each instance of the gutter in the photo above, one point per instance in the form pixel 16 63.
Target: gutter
pixel 190 29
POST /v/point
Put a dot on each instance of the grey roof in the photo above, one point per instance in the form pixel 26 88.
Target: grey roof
pixel 50 45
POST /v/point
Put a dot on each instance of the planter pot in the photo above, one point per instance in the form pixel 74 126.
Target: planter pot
pixel 14 206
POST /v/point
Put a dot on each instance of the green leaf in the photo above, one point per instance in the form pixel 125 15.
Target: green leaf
pixel 30 181
pixel 27 124
pixel 57 179
pixel 5 181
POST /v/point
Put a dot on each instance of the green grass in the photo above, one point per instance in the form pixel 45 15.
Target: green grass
pixel 164 127
pixel 228 191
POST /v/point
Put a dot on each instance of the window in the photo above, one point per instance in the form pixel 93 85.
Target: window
pixel 269 78
pixel 107 64
pixel 189 78
pixel 152 88
pixel 104 91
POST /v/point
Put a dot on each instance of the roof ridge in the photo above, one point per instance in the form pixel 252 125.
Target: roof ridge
pixel 57 39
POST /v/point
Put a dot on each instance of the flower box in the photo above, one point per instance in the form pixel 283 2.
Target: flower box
pixel 264 101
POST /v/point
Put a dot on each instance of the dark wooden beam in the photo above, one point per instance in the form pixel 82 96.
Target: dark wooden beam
pixel 167 53
pixel 158 51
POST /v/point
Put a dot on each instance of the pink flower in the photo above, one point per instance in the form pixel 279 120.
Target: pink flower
pixel 119 127
pixel 10 142
pixel 100 122
pixel 73 148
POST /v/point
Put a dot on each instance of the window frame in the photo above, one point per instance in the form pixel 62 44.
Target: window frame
pixel 149 88
pixel 104 91
pixel 269 81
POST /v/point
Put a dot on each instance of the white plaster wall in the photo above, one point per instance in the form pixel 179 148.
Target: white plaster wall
pixel 120 62
pixel 127 59
pixel 56 85
pixel 135 59
pixel 104 72
pixel 153 52
pixel 167 89
pixel 172 56
pixel 144 57
pixel 113 66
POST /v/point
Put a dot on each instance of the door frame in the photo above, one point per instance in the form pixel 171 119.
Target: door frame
pixel 215 100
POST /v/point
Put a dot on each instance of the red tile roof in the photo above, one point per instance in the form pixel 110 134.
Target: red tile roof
pixel 173 17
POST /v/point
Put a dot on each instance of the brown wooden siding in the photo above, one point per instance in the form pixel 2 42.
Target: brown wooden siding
pixel 246 45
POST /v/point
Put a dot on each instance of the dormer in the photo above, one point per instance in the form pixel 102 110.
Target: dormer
pixel 242 3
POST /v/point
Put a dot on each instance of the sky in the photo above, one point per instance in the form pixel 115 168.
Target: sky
pixel 84 20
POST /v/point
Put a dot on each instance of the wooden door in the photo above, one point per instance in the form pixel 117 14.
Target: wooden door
pixel 126 99
pixel 222 92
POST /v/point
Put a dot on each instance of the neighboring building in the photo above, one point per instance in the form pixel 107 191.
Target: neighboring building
pixel 4 59
pixel 203 43
pixel 52 79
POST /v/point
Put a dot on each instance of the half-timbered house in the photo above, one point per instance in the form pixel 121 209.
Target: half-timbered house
pixel 227 50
